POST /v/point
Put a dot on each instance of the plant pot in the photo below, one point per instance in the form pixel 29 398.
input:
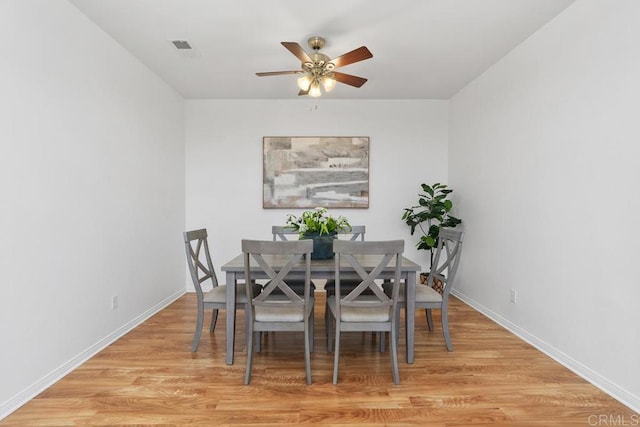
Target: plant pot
pixel 322 244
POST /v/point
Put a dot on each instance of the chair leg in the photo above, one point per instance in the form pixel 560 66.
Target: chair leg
pixel 199 321
pixel 381 337
pixel 250 339
pixel 326 323
pixel 327 315
pixel 246 324
pixel 312 329
pixel 257 338
pixel 445 327
pixel 329 326
pixel 214 320
pixel 393 349
pixel 336 357
pixel 308 343
pixel 429 319
pixel 397 322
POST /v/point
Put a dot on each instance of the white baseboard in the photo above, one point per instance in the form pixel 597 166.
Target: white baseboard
pixel 47 381
pixel 612 389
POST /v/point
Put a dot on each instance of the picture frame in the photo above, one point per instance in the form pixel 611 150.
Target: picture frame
pixel 315 171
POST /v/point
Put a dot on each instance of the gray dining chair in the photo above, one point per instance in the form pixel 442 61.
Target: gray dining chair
pixel 278 307
pixel 444 268
pixel 367 307
pixel 203 274
pixel 346 285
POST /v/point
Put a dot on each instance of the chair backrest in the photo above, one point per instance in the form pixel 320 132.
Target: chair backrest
pixel 283 232
pixel 276 259
pixel 389 255
pixel 446 258
pixel 356 233
pixel 199 259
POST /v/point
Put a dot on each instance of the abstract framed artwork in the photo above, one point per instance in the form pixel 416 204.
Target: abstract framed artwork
pixel 304 172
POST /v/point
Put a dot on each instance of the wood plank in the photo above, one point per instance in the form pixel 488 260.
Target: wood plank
pixel 150 376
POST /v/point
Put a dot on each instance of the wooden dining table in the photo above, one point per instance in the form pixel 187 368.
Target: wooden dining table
pixel 322 269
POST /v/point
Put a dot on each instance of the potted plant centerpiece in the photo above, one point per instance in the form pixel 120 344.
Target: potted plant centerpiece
pixel 321 227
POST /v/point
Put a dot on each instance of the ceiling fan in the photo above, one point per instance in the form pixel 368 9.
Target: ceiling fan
pixel 318 69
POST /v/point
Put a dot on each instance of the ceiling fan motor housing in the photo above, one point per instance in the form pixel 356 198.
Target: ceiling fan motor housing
pixel 316 43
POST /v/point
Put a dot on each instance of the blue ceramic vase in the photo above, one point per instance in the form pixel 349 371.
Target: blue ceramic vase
pixel 322 244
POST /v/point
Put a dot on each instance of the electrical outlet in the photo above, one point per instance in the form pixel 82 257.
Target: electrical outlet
pixel 114 302
pixel 513 296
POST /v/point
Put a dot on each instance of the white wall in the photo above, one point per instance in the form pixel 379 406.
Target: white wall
pixel 91 189
pixel 544 153
pixel 408 146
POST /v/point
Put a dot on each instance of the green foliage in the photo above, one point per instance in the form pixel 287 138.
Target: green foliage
pixel 430 214
pixel 317 221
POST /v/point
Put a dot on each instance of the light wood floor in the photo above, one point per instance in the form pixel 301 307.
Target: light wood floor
pixel 150 376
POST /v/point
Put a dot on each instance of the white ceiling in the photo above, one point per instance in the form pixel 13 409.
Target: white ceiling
pixel 422 49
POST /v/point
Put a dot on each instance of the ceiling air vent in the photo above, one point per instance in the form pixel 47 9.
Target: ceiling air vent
pixel 181 44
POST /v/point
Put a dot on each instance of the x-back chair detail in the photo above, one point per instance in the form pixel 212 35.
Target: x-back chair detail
pixel 367 307
pixel 278 307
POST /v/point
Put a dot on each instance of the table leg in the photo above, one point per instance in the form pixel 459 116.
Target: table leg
pixel 231 314
pixel 410 313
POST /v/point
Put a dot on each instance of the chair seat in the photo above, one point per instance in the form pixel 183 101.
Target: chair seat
pixel 424 293
pixel 283 312
pixel 219 294
pixel 361 314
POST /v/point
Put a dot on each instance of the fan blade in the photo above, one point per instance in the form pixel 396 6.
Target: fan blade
pixel 298 51
pixel 349 79
pixel 277 73
pixel 303 92
pixel 356 55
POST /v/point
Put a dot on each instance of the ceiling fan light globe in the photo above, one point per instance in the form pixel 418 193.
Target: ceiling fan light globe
pixel 328 83
pixel 314 90
pixel 304 82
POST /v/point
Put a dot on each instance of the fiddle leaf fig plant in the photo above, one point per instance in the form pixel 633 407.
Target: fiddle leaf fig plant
pixel 430 215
